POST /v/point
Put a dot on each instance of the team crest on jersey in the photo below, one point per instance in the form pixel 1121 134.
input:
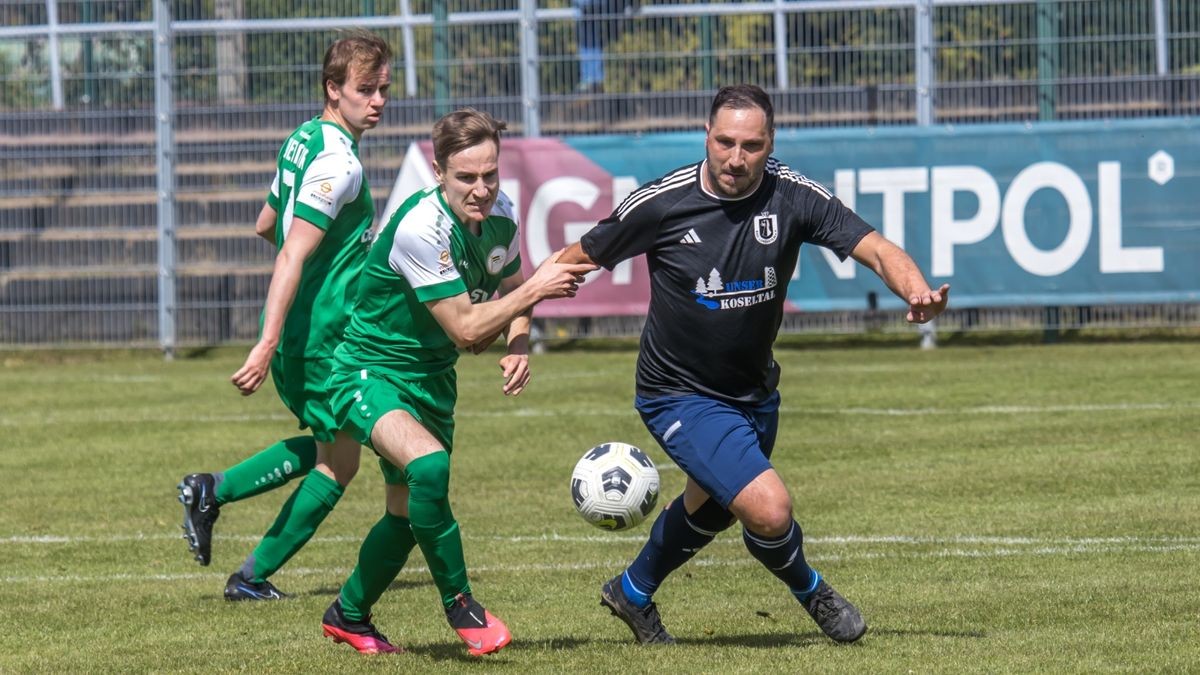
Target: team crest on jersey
pixel 445 263
pixel 715 293
pixel 495 260
pixel 766 228
pixel 321 194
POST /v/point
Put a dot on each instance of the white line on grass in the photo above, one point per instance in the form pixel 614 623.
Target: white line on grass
pixel 100 416
pixel 891 412
pixel 1115 547
pixel 1006 409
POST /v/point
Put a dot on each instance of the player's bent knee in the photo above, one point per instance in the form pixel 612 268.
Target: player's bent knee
pixel 429 476
pixel 340 459
pixel 396 500
pixel 768 521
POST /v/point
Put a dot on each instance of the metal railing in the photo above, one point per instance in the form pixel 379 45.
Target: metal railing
pixel 137 136
pixel 877 61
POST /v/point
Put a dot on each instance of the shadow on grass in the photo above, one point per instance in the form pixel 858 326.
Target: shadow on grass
pixel 813 638
pixel 453 650
pixel 395 586
pixel 196 352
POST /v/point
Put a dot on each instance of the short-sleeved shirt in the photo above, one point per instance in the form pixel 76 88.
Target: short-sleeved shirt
pixel 424 254
pixel 719 270
pixel 319 178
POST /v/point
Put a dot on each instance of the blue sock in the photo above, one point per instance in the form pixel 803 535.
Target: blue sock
pixel 635 594
pixel 784 557
pixel 802 595
pixel 674 539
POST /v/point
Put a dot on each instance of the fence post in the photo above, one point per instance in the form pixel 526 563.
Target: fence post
pixel 164 115
pixel 924 57
pixel 1047 66
pixel 441 58
pixel 410 51
pixel 1161 49
pixel 231 54
pixel 530 85
pixel 707 72
pixel 56 87
pixel 90 94
pixel 781 47
pixel 925 80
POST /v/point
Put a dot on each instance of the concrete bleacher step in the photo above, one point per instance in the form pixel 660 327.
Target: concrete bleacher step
pixel 68 176
pixel 124 209
pixel 80 248
pixel 119 305
pixel 116 152
pixel 123 310
pixel 62 178
pixel 95 286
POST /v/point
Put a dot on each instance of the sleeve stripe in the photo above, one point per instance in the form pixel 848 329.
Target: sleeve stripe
pixel 653 186
pixel 783 171
pixel 676 180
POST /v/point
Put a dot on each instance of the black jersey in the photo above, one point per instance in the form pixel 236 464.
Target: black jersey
pixel 719 270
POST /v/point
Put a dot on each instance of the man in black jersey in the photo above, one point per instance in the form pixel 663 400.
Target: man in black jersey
pixel 722 237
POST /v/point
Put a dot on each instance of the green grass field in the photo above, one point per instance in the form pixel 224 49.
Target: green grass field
pixel 989 508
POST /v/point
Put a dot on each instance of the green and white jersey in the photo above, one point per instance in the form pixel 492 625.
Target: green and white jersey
pixel 424 253
pixel 319 178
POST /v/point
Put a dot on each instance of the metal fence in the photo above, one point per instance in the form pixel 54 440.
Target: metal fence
pixel 137 136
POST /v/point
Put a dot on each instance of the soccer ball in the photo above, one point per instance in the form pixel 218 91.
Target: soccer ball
pixel 614 486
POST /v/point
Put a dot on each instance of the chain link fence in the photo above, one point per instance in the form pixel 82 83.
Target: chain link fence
pixel 125 208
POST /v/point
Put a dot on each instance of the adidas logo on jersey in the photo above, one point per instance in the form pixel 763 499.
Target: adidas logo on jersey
pixel 691 237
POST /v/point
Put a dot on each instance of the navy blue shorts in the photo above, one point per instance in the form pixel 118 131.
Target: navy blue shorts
pixel 719 445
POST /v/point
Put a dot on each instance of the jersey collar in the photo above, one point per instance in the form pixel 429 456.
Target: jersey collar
pixel 349 136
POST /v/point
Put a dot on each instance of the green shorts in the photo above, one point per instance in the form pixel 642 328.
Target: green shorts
pixel 361 396
pixel 300 384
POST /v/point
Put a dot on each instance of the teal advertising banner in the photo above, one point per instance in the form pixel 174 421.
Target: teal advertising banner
pixel 1070 213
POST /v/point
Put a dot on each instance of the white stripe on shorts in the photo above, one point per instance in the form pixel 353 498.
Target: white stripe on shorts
pixel 672 429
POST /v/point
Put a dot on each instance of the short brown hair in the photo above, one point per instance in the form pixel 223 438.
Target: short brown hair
pixel 743 97
pixel 462 129
pixel 358 50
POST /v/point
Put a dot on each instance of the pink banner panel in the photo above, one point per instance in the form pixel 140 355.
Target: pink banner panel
pixel 560 194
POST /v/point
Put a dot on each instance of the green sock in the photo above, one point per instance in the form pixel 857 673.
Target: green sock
pixel 434 526
pixel 313 499
pixel 267 470
pixel 380 558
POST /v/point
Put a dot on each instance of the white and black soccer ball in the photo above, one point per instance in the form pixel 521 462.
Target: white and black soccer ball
pixel 614 486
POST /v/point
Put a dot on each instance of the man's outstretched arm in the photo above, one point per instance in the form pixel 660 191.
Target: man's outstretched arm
pixel 901 274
